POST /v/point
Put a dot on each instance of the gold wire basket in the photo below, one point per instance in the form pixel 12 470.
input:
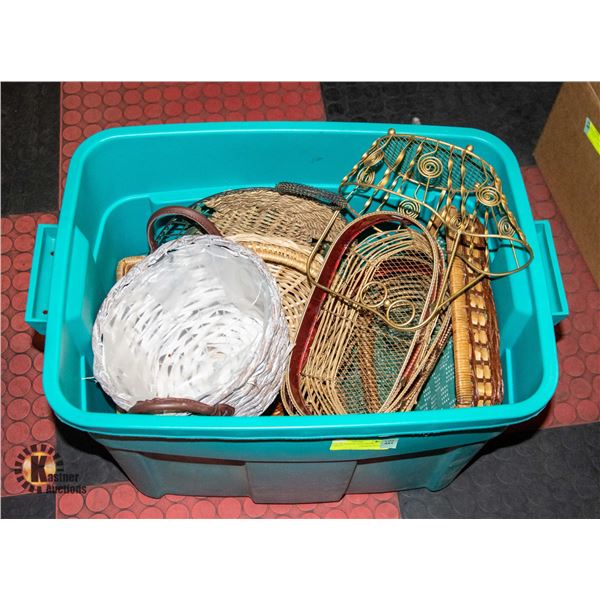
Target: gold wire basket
pixel 356 318
pixel 355 351
pixel 457 198
pixel 445 187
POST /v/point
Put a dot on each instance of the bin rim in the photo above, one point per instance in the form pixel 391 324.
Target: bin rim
pixel 293 427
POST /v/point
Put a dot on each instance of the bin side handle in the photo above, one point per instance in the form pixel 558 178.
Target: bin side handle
pixel 38 297
pixel 556 290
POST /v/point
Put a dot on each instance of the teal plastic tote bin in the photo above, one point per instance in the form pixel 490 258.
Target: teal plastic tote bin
pixel 117 178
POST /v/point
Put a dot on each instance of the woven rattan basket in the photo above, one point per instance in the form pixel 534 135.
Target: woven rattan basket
pixel 478 370
pixel 262 211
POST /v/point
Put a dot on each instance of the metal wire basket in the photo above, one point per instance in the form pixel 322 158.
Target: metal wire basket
pixel 445 187
pixel 454 196
pixel 356 350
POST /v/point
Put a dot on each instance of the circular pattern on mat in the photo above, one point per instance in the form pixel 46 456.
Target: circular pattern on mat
pixel 26 416
pixel 123 501
pixel 90 107
pixel 578 338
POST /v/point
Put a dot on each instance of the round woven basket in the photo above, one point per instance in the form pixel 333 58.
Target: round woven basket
pixel 196 326
pixel 262 211
pixel 286 261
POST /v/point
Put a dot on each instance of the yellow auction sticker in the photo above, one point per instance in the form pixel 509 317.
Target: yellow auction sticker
pixel 364 444
pixel 592 134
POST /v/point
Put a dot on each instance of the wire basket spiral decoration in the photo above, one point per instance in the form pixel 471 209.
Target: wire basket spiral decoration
pixel 394 306
pixel 196 326
pixel 423 178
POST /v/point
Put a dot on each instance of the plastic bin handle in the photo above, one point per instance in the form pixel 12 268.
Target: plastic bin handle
pixel 556 290
pixel 36 311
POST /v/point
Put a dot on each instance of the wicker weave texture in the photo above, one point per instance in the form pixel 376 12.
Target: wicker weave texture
pixel 200 318
pixel 477 364
pixel 350 360
pixel 261 211
pixel 285 260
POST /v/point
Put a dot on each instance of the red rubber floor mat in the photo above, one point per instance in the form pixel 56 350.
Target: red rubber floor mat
pixel 89 107
pixel 577 397
pixel 26 416
pixel 123 501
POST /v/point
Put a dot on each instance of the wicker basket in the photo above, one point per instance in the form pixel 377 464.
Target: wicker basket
pixel 478 370
pixel 196 326
pixel 262 211
pixel 366 343
pixel 286 261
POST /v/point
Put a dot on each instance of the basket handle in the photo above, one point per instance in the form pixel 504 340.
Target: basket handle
pixel 312 193
pixel 189 214
pixel 161 405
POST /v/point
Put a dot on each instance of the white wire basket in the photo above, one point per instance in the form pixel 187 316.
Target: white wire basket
pixel 196 327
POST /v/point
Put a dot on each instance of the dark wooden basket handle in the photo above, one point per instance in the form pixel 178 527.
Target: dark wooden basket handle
pixel 158 406
pixel 189 214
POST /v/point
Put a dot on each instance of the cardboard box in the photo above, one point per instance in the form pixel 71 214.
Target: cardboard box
pixel 568 155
